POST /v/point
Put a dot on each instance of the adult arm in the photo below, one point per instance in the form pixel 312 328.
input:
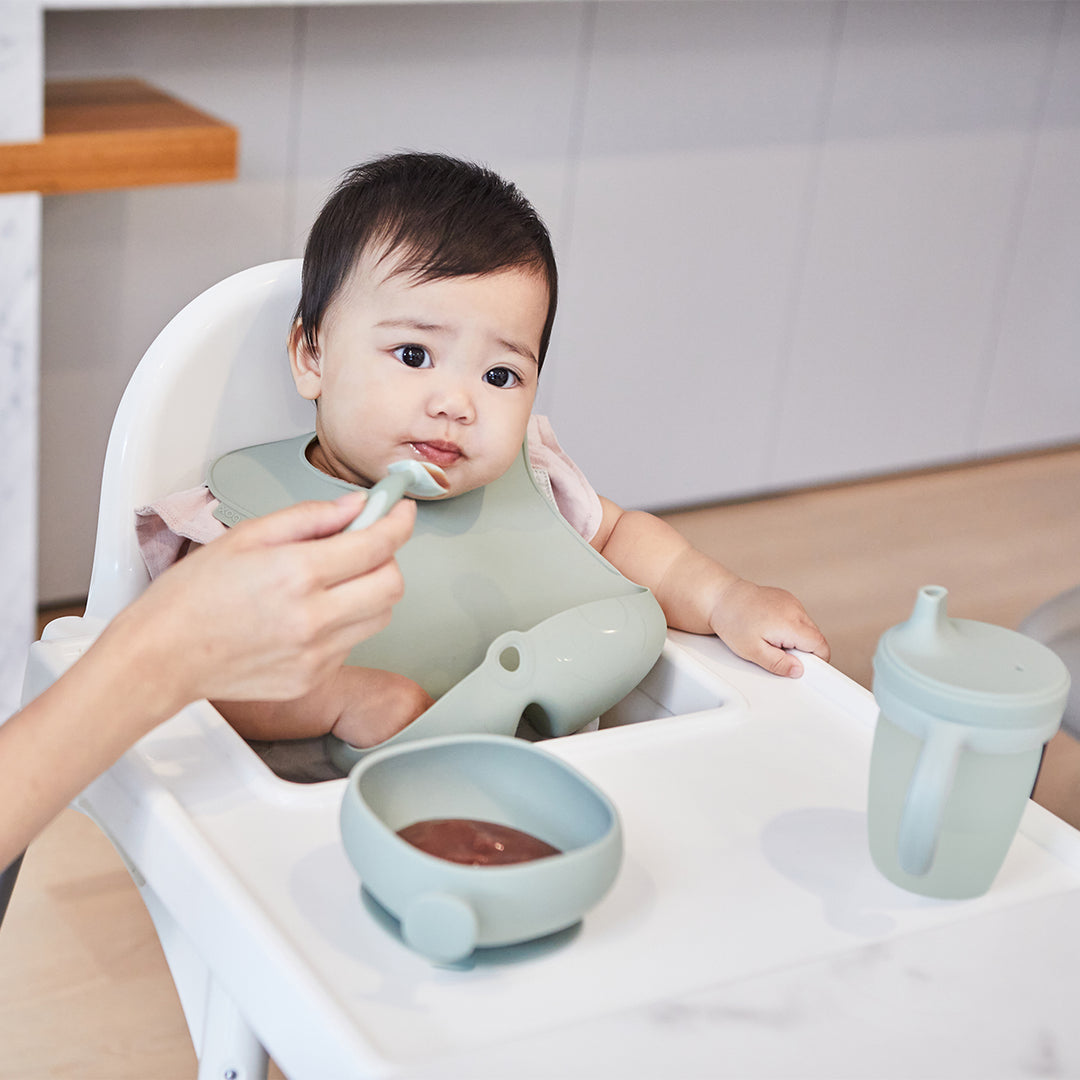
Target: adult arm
pixel 269 611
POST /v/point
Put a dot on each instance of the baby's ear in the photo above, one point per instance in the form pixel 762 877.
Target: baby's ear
pixel 304 362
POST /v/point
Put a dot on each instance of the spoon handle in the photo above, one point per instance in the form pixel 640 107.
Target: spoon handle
pixel 380 500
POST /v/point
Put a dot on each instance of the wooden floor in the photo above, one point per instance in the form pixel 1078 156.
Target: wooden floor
pixel 84 992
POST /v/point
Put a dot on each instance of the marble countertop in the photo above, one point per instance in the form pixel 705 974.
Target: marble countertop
pixel 990 997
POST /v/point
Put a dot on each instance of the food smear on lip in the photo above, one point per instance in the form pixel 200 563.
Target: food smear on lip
pixel 475 843
pixel 438 452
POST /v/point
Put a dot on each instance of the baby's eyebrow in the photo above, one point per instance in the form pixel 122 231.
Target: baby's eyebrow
pixel 519 350
pixel 412 324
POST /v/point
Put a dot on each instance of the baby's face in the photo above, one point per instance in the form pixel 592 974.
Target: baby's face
pixel 444 371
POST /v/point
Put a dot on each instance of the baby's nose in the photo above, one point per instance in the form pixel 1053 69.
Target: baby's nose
pixel 453 401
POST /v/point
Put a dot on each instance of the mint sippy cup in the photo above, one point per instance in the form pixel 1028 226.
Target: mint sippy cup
pixel 965 709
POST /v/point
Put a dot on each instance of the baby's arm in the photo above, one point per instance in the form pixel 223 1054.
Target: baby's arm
pixel 700 595
pixel 362 706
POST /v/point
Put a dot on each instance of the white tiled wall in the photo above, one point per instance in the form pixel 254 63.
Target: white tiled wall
pixel 922 165
pixel 1031 384
pixel 495 83
pixel 798 241
pixel 696 162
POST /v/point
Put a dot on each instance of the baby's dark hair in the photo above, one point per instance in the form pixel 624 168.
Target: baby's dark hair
pixel 439 216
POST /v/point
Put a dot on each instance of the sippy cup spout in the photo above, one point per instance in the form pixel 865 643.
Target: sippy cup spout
pixel 929 622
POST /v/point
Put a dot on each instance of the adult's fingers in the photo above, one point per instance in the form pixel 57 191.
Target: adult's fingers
pixel 346 555
pixel 358 601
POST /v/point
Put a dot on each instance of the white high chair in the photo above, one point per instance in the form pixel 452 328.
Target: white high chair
pixel 737 796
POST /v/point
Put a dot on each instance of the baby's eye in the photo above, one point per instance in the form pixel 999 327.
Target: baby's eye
pixel 414 356
pixel 501 377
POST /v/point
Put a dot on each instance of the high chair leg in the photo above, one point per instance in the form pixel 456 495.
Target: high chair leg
pixel 224 1044
pixel 230 1050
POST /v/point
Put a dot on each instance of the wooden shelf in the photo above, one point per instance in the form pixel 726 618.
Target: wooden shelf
pixel 118 133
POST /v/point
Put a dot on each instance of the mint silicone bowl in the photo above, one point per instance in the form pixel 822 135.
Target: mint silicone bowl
pixel 448 909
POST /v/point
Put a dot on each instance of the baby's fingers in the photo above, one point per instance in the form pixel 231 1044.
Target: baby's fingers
pixel 772 650
pixel 805 637
pixel 780 662
pixel 808 638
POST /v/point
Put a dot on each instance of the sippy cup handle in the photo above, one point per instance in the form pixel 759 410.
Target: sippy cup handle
pixel 928 792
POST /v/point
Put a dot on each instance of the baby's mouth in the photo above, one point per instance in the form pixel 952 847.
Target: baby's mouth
pixel 438 452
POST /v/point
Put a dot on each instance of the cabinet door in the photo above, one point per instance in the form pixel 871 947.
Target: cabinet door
pixel 1034 392
pixel 922 175
pixel 696 150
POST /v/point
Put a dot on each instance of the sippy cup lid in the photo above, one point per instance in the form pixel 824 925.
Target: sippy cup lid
pixel 969 672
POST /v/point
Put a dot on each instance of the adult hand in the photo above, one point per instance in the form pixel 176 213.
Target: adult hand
pixel 272 608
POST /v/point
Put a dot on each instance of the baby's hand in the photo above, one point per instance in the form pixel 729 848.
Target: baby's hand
pixel 758 622
pixel 376 704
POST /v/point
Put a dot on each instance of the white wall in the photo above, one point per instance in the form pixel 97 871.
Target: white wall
pixel 799 241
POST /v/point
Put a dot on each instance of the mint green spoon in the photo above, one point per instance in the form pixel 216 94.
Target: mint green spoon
pixel 420 479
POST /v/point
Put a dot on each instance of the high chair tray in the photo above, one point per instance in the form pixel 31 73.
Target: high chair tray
pixel 746 934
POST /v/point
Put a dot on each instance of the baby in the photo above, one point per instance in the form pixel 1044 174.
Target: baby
pixel 428 297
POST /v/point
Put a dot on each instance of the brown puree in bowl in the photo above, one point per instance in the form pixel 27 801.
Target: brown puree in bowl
pixel 475 843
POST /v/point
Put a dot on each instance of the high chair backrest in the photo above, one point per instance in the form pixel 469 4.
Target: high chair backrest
pixel 216 378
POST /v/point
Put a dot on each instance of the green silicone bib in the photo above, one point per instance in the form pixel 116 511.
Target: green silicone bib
pixel 507 609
